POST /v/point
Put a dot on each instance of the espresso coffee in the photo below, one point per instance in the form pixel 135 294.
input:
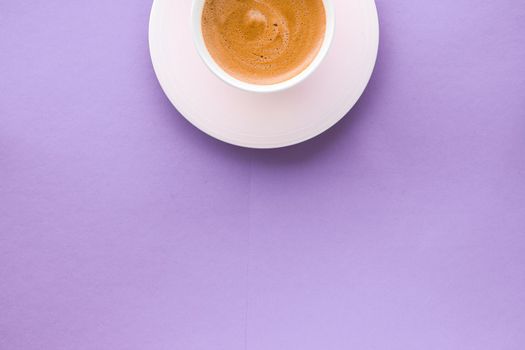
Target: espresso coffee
pixel 263 41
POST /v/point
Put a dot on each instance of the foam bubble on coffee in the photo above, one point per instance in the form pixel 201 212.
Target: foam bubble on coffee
pixel 263 41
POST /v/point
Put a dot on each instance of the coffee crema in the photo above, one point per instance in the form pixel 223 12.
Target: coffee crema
pixel 263 41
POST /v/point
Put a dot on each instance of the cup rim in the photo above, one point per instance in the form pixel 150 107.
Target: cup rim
pixel 198 39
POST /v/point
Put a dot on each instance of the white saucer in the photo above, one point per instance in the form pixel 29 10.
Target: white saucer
pixel 264 120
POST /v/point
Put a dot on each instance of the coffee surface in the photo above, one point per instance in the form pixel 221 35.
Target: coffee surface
pixel 263 41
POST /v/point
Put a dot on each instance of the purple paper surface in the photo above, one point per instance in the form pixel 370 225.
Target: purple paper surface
pixel 124 227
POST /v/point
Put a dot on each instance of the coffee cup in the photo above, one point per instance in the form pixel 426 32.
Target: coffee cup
pixel 255 86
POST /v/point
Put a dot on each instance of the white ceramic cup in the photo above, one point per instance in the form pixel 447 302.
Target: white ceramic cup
pixel 197 8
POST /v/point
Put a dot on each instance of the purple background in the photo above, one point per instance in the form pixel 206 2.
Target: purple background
pixel 124 227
